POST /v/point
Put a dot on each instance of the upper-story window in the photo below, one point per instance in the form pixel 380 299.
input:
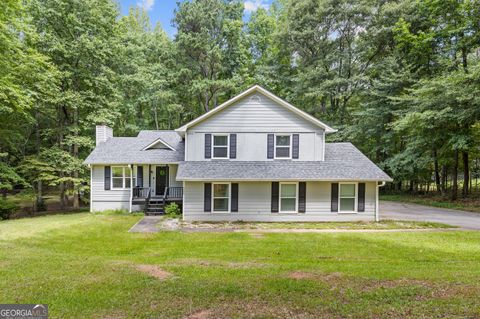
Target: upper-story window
pixel 283 146
pixel 220 146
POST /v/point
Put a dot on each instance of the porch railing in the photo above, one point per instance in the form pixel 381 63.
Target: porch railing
pixel 141 192
pixel 174 192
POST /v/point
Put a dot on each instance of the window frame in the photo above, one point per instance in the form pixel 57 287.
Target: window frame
pixel 290 146
pixel 355 198
pixel 124 177
pixel 229 206
pixel 280 197
pixel 227 146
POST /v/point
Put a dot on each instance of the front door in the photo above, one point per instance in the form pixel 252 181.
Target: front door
pixel 161 180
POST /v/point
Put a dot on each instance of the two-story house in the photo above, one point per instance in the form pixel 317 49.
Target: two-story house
pixel 253 158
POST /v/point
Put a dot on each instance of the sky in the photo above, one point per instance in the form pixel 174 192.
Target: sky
pixel 162 10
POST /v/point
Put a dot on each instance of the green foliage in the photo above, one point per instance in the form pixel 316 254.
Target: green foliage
pixel 172 210
pixel 400 79
pixel 7 208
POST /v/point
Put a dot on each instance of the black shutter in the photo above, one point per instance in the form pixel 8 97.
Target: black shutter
pixel 233 145
pixel 295 145
pixel 107 178
pixel 207 197
pixel 334 197
pixel 302 196
pixel 234 197
pixel 139 176
pixel 270 146
pixel 275 187
pixel 361 197
pixel 208 145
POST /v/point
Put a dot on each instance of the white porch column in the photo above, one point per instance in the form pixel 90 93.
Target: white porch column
pixel 131 186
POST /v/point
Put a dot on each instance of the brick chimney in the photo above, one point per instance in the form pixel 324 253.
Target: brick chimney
pixel 103 133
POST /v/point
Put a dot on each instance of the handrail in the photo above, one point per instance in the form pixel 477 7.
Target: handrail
pixel 165 194
pixel 147 200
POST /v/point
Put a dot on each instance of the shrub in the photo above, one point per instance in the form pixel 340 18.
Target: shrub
pixel 172 210
pixel 7 208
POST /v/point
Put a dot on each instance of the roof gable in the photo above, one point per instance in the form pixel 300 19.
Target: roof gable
pixel 263 92
pixel 158 144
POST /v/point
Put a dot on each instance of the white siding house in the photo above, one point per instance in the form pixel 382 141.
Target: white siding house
pixel 253 158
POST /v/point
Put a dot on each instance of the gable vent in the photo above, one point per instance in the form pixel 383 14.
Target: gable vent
pixel 255 99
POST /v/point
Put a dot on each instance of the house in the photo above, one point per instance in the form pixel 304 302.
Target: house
pixel 253 158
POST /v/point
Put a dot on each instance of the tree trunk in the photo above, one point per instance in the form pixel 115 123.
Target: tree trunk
pixel 444 179
pixel 455 177
pixel 437 172
pixel 39 193
pixel 466 175
pixel 76 195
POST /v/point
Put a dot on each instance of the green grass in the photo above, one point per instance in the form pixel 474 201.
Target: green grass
pixel 84 266
pixel 469 204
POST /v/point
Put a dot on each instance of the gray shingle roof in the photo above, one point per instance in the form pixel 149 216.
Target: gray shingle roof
pixel 128 150
pixel 343 162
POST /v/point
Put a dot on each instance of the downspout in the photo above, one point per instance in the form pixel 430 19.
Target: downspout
pixel 131 186
pixel 377 208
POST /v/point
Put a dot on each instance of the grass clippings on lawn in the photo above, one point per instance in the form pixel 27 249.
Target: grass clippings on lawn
pixel 89 267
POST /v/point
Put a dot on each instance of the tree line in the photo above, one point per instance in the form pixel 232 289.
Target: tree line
pixel 398 78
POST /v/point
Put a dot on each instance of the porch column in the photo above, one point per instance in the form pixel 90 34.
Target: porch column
pixel 131 186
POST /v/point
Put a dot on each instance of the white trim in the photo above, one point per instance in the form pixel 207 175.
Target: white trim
pixel 227 146
pixel 229 198
pixel 267 179
pixel 355 204
pixel 280 198
pixel 123 177
pixel 377 207
pixel 91 186
pixel 131 187
pixel 290 146
pixel 323 147
pixel 158 140
pixel 257 88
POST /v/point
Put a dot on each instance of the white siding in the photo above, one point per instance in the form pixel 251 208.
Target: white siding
pixel 248 116
pixel 254 204
pixel 253 147
pixel 102 199
pixel 252 121
pixel 106 199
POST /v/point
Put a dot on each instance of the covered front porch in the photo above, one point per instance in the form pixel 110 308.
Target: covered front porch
pixel 154 187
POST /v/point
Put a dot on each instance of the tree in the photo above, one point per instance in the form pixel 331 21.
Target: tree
pixel 208 39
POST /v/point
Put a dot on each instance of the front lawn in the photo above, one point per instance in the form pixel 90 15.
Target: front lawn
pixel 89 266
pixel 471 204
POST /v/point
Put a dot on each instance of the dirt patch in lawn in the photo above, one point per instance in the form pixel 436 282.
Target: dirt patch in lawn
pixel 300 275
pixel 254 309
pixel 154 271
pixel 202 314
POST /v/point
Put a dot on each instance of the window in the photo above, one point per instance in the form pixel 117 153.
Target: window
pixel 221 197
pixel 282 146
pixel 121 177
pixel 288 197
pixel 347 196
pixel 220 146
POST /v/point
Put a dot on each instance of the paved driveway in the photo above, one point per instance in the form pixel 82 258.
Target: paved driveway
pixel 404 211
